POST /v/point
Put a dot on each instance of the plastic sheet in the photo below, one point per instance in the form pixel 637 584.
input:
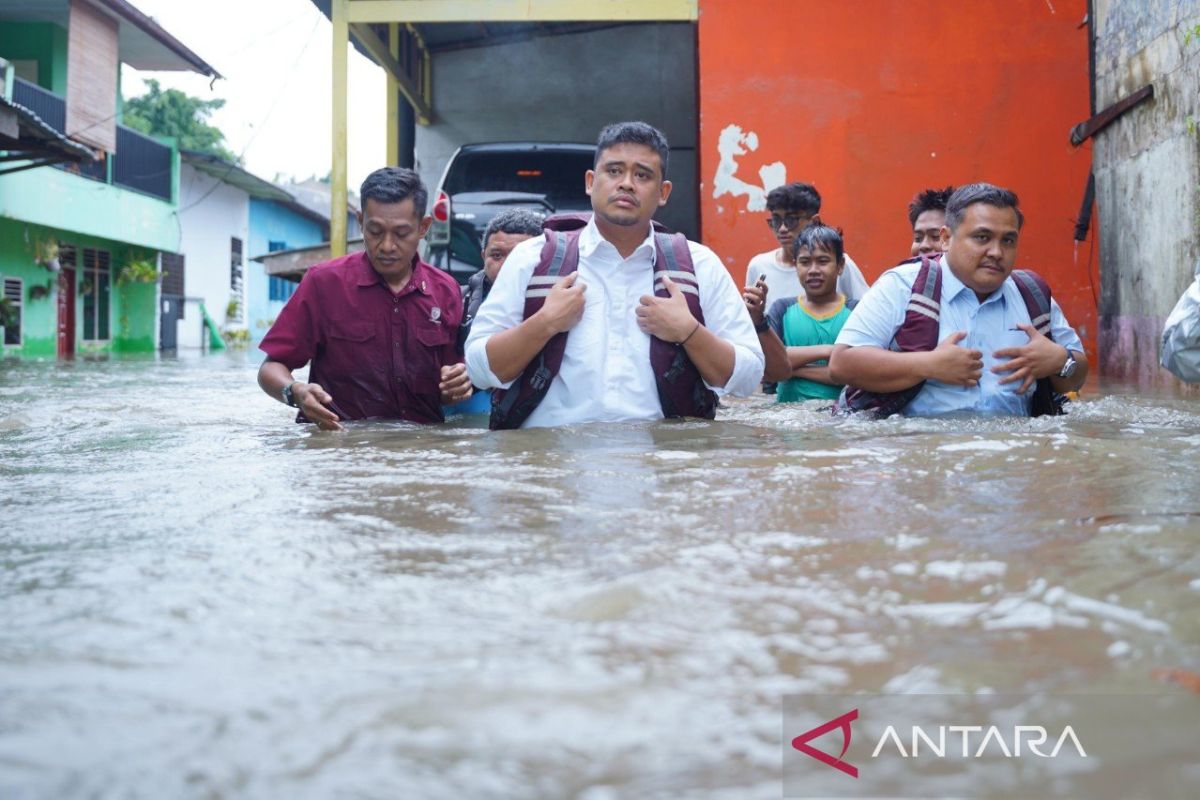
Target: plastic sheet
pixel 1181 335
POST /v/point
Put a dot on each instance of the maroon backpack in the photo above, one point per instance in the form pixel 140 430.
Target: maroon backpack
pixel 919 333
pixel 681 390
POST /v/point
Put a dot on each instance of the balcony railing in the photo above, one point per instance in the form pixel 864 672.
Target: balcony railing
pixel 46 104
pixel 139 163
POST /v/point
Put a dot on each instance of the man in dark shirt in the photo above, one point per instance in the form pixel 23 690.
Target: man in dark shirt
pixel 379 327
pixel 506 230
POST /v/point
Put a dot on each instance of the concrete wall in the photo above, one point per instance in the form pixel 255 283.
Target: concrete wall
pixel 888 100
pixel 1147 168
pixel 566 88
pixel 211 214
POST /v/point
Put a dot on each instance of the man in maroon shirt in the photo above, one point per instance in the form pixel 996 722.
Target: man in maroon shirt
pixel 379 327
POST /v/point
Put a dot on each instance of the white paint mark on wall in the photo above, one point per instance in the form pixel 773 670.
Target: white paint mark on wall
pixel 732 144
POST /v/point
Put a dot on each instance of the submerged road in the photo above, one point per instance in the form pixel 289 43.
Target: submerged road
pixel 203 599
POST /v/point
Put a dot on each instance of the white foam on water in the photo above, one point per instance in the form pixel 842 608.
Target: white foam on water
pixel 1018 612
pixel 849 452
pixel 906 541
pixel 967 571
pixel 1105 611
pixel 921 679
pixel 1118 649
pixel 1130 528
pixel 987 445
pixel 676 455
pixel 947 615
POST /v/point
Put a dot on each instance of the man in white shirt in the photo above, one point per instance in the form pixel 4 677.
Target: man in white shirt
pixel 789 208
pixel 609 305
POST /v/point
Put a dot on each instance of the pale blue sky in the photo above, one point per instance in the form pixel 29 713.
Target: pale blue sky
pixel 275 56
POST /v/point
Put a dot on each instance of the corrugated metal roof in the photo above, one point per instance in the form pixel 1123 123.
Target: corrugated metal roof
pixel 234 175
pixel 39 139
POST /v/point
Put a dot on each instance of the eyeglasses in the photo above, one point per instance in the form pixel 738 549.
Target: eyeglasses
pixel 790 221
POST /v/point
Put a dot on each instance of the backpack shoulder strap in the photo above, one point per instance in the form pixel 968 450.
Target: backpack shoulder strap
pixel 1036 294
pixel 919 331
pixel 681 390
pixel 512 406
pixel 560 256
pixel 674 260
pixel 1035 291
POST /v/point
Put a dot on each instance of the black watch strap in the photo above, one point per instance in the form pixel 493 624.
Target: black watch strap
pixel 763 326
pixel 288 396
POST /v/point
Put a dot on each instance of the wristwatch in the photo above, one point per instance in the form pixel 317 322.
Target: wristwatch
pixel 1068 369
pixel 288 397
pixel 763 326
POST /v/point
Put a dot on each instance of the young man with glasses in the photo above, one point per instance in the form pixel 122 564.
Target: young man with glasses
pixel 790 208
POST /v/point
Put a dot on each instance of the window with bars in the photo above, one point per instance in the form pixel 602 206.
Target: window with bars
pixel 235 265
pixel 94 282
pixel 279 289
pixel 173 265
pixel 234 313
pixel 14 291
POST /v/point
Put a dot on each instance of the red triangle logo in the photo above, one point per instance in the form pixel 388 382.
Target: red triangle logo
pixel 801 743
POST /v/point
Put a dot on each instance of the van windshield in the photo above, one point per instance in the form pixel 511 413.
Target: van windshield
pixel 557 175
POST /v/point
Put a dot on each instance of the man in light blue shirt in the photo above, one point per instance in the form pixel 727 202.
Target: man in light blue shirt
pixel 990 354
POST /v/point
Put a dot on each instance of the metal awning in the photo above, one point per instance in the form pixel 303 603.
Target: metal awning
pixel 292 264
pixel 25 137
pixel 396 35
pixel 234 175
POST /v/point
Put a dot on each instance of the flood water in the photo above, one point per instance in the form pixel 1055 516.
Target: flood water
pixel 201 599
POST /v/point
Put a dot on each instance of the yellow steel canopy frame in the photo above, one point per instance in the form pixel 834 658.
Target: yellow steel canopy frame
pixel 354 15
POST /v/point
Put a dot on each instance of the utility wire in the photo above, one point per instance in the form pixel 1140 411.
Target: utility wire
pixel 258 129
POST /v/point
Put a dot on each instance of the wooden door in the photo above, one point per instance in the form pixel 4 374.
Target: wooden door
pixel 66 313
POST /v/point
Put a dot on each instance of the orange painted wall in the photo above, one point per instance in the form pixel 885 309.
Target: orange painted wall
pixel 874 100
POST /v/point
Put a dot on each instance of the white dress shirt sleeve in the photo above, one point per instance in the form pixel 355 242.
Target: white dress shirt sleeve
pixel 1061 330
pixel 504 308
pixel 851 282
pixel 725 315
pixel 879 314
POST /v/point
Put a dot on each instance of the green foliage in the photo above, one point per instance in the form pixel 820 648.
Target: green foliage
pixel 232 309
pixel 236 338
pixel 1190 34
pixel 175 113
pixel 141 271
pixel 45 251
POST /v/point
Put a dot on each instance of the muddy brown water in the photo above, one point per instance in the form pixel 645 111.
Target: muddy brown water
pixel 200 598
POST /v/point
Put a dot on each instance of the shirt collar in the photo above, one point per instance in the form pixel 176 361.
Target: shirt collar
pixel 591 238
pixel 365 275
pixel 952 286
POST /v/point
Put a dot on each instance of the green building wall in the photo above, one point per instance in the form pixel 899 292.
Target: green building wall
pixel 43 42
pixel 57 199
pixel 132 312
